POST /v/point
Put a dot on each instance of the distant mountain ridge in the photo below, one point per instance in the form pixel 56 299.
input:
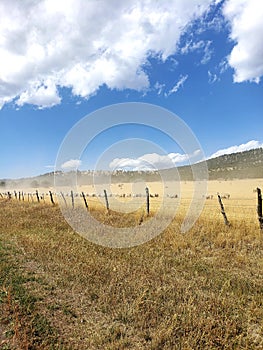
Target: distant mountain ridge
pixel 241 165
pixel 247 164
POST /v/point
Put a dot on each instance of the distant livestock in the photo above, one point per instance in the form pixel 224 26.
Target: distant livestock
pixel 172 195
pixel 225 195
pixel 209 196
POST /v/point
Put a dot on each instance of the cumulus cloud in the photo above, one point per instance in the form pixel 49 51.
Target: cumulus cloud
pixel 151 161
pixel 71 164
pixel 238 148
pixel 43 96
pixel 246 57
pixel 82 45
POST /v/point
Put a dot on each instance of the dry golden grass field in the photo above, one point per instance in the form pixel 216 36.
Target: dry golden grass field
pixel 198 290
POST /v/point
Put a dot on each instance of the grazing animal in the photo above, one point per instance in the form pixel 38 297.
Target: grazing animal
pixel 225 196
pixel 172 195
pixel 209 196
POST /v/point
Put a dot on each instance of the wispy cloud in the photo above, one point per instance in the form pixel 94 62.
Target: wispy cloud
pixel 200 46
pixel 191 46
pixel 223 66
pixel 238 148
pixel 173 64
pixel 208 52
pixel 177 86
pixel 159 87
pixel 71 164
pixel 212 77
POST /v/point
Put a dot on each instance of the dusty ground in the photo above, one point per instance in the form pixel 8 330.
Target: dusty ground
pixel 239 189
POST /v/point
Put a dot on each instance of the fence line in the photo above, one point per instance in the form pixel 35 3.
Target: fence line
pixel 260 218
pixel 98 199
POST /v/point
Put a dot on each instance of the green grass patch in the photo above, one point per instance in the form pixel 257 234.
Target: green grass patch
pixel 23 327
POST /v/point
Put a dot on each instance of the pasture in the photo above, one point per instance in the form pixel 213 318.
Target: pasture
pixel 198 290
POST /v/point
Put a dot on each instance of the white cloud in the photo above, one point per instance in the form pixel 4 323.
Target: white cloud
pixel 199 46
pixel 238 148
pixel 43 96
pixel 212 77
pixel 246 58
pixel 82 44
pixel 71 164
pixel 154 161
pixel 151 161
pixel 208 52
pixel 191 46
pixel 174 63
pixel 223 66
pixel 177 86
pixel 159 87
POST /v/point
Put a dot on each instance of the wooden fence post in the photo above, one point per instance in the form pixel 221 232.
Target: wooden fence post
pixel 85 201
pixel 64 199
pixel 9 195
pixel 106 200
pixel 37 196
pixel 223 210
pixel 51 198
pixel 260 218
pixel 15 194
pixel 72 198
pixel 19 196
pixel 23 197
pixel 147 200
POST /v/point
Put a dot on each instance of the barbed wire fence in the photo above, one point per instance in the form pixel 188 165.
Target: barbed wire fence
pixel 147 200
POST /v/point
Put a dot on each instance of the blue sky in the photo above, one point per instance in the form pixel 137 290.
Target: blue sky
pixel 202 60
